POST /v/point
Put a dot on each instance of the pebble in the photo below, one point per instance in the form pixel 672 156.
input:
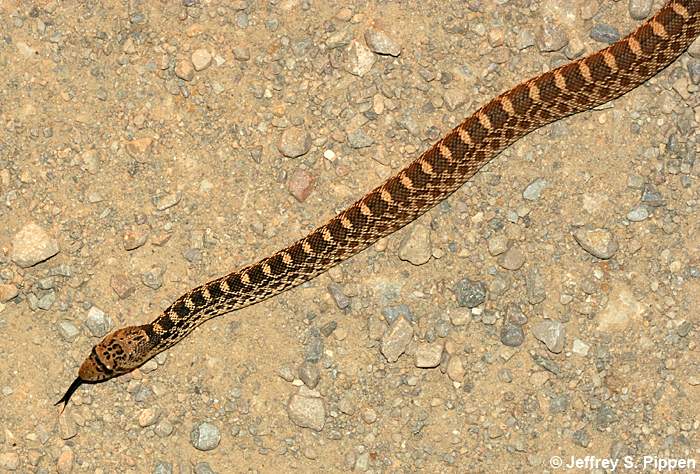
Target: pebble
pixel 67 428
pixel 201 59
pixel 148 417
pixel 306 410
pixel 9 461
pixel 135 237
pixel 550 37
pixel 470 293
pixel 32 245
pixel 203 468
pixel 341 300
pixel 621 310
pixel 428 355
pixel 640 9
pixel 416 246
pixel 241 53
pixel 599 242
pixel 512 335
pixel 551 333
pixel 455 368
pixel 369 415
pixel 68 331
pixel 163 467
pixel 300 184
pixel 638 214
pixel 536 292
pixel 97 322
pixel 359 59
pixel 294 142
pixel 205 436
pixel 380 43
pixel 167 201
pixel 605 33
pixel 184 70
pixel 497 244
pixel 652 197
pixel 513 259
pixel 310 374
pixel 359 139
pixel 580 348
pixel 64 465
pixel 139 147
pixel 533 191
pixel 121 285
pixel 153 278
pixel 396 339
pixel 454 98
pixel 7 292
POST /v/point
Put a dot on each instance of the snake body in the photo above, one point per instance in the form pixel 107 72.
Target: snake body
pixel 434 175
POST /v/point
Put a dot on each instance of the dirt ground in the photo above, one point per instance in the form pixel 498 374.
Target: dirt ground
pixel 548 308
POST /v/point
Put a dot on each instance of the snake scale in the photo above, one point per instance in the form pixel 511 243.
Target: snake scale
pixel 434 175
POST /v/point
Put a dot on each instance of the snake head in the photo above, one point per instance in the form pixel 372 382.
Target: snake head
pixel 118 353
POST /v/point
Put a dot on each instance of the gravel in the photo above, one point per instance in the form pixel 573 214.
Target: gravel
pixel 205 436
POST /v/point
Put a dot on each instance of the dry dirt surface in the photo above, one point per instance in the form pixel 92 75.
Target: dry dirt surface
pixel 548 308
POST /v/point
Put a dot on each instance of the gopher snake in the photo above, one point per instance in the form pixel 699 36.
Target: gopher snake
pixel 429 179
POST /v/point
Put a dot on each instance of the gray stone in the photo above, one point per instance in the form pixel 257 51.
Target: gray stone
pixel 163 467
pixel 32 245
pixel 512 335
pixel 533 191
pixel 205 436
pixel 306 409
pixel 536 292
pixel 97 322
pixel 359 139
pixel 294 142
pixel 605 33
pixel 380 43
pixel 396 339
pixel 68 331
pixel 551 333
pixel 599 242
pixel 497 244
pixel 638 214
pixel 309 374
pixel 470 293
pixel 640 9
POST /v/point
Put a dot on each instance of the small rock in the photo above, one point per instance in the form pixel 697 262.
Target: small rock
pixel 640 9
pixel 121 285
pixel 638 214
pixel 550 37
pixel 359 59
pixel 294 142
pixel 497 244
pixel 455 368
pixel 139 147
pixel 307 411
pixel 310 374
pixel 7 292
pixel 599 242
pixel 428 355
pixel 470 293
pixel 203 468
pixel 513 259
pixel 580 348
pixel 533 191
pixel 68 331
pixel 205 436
pixel 605 33
pixel 135 237
pixel 369 415
pixel 551 333
pixel 67 428
pixel 381 43
pixel 201 59
pixel 153 278
pixel 98 322
pixel 622 309
pixel 652 197
pixel 184 70
pixel 536 292
pixel 341 300
pixel 64 465
pixel 396 340
pixel 512 335
pixel 359 139
pixel 454 98
pixel 9 461
pixel 300 184
pixel 148 417
pixel 241 53
pixel 32 245
pixel 416 247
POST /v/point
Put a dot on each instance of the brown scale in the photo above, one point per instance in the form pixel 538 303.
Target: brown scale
pixel 429 179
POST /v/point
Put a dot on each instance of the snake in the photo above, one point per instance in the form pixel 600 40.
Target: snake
pixel 430 178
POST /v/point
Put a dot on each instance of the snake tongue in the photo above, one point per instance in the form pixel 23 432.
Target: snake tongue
pixel 69 393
